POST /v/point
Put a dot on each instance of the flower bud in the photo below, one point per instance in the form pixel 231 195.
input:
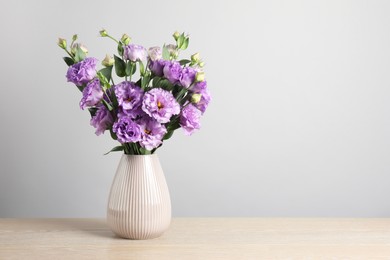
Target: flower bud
pixel 199 76
pixel 74 38
pixel 171 48
pixel 103 33
pixel 201 64
pixel 108 61
pixel 195 57
pixel 125 39
pixel 83 48
pixel 195 98
pixel 62 43
pixel 75 46
pixel 176 35
pixel 175 54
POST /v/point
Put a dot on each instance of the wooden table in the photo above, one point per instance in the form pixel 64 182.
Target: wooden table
pixel 200 238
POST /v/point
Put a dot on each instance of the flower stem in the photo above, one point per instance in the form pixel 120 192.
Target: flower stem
pixel 112 38
pixel 70 54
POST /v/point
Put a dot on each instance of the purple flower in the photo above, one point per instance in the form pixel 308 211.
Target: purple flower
pixel 189 119
pixel 134 52
pixel 134 114
pixel 187 76
pixel 201 88
pixel 157 67
pixel 82 72
pixel 102 120
pixel 204 101
pixel 129 95
pixel 172 71
pixel 92 94
pixel 126 130
pixel 160 104
pixel 152 133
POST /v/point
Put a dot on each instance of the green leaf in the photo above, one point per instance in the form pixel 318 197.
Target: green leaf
pixel 176 91
pixel 184 62
pixel 120 66
pixel 180 40
pixel 68 61
pixel 103 81
pixel 145 81
pixel 175 124
pixel 120 49
pixel 171 127
pixel 141 68
pixel 185 43
pixel 138 83
pixel 168 135
pixel 165 84
pixel 113 98
pixel 156 81
pixel 165 53
pixel 153 150
pixel 92 111
pixel 106 73
pixel 113 135
pixel 107 105
pixel 144 151
pixel 162 83
pixel 115 149
pixel 131 67
pixel 81 88
pixel 80 55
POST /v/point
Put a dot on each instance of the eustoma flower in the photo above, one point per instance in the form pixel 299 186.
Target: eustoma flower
pixel 92 94
pixel 160 105
pixel 152 133
pixel 82 72
pixel 187 76
pixel 201 88
pixel 129 95
pixel 157 67
pixel 149 100
pixel 134 52
pixel 189 119
pixel 127 130
pixel 134 114
pixel 172 71
pixel 102 120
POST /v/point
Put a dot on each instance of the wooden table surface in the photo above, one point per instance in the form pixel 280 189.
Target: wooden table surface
pixel 200 238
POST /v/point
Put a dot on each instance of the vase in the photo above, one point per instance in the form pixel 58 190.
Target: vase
pixel 139 205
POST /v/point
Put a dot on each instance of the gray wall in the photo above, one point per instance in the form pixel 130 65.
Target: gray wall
pixel 299 124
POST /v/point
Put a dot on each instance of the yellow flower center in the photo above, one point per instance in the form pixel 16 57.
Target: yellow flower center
pixel 129 99
pixel 159 105
pixel 147 131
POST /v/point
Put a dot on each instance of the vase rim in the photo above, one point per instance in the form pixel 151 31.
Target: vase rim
pixel 141 155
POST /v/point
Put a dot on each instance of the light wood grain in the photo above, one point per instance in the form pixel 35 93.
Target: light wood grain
pixel 199 238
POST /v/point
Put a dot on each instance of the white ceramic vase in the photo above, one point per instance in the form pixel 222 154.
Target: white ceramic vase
pixel 139 205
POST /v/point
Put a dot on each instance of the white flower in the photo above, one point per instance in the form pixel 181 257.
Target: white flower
pixel 155 53
pixel 108 61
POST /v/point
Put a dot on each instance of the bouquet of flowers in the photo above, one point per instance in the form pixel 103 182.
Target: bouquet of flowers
pixel 140 111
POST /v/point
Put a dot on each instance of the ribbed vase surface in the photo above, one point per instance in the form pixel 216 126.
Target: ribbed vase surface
pixel 139 206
